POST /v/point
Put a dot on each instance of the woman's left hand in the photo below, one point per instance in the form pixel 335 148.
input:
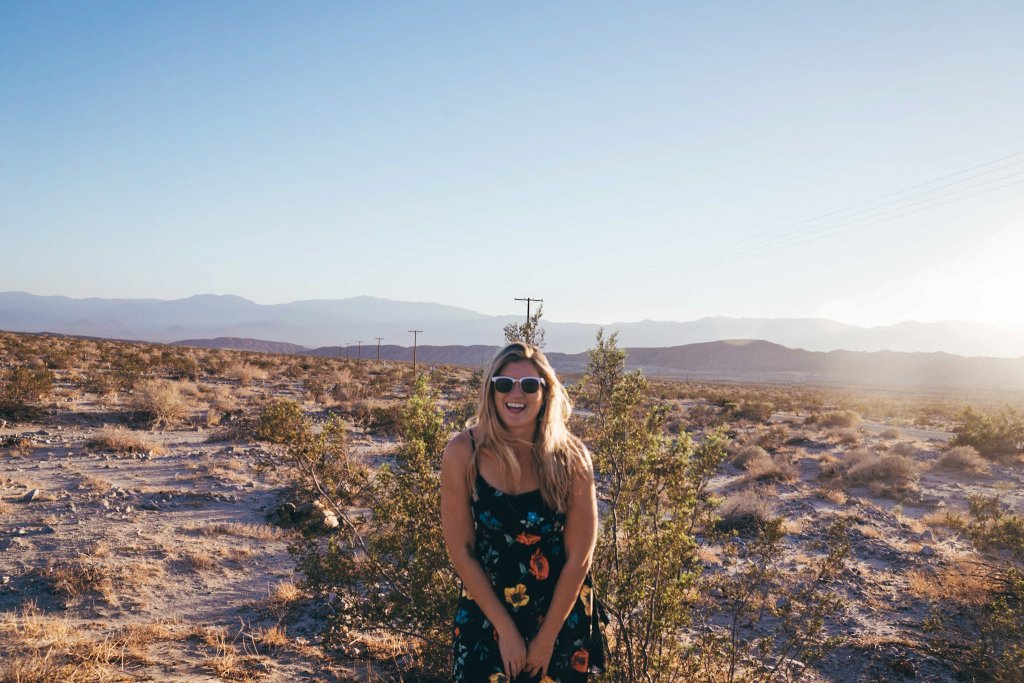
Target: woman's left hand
pixel 538 654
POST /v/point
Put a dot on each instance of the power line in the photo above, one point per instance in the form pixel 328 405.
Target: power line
pixel 784 236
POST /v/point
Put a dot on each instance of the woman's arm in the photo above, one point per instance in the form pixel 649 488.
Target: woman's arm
pixel 460 538
pixel 580 538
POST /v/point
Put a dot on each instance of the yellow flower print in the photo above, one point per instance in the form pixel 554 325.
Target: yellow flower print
pixel 586 598
pixel 517 596
pixel 548 679
pixel 498 678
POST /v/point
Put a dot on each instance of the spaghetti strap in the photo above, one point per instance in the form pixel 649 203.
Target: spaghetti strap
pixel 472 442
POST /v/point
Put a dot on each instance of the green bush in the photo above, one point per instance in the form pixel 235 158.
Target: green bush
pixel 654 490
pixel 390 568
pixel 995 436
pixel 22 388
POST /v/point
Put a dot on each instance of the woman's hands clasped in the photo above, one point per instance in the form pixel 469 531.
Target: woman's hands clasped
pixel 513 652
pixel 538 654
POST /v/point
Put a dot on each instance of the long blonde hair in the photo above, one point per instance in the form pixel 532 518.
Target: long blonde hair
pixel 557 453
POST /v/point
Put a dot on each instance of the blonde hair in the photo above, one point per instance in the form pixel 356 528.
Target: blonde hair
pixel 558 455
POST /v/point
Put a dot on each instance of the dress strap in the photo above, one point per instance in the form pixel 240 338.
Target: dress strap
pixel 472 442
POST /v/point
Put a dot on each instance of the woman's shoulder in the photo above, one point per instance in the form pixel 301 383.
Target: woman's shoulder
pixel 459 451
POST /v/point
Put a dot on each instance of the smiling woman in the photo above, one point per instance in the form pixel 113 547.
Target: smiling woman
pixel 519 516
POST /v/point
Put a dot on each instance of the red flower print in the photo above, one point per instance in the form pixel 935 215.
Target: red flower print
pixel 527 539
pixel 580 659
pixel 539 565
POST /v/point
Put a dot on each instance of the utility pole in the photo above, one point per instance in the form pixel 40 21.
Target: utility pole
pixel 378 347
pixel 347 344
pixel 528 300
pixel 415 337
pixel 359 350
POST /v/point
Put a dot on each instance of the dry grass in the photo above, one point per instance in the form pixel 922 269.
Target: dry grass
pixel 846 437
pixel 161 401
pixel 78 579
pixel 41 648
pixel 229 665
pixel 261 532
pixel 196 561
pixel 94 484
pixel 963 460
pixel 776 469
pixel 747 455
pixel 961 583
pixel 122 440
pixel 745 510
pixel 888 474
pixel 905 448
pixel 244 373
pixel 890 433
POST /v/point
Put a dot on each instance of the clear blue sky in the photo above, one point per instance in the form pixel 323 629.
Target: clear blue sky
pixel 621 160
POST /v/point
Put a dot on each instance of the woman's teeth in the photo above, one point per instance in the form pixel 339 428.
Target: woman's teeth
pixel 514 406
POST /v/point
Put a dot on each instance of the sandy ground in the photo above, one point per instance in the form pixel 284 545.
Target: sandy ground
pixel 94 542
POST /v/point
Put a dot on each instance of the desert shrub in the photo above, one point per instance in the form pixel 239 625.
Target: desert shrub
pixel 888 474
pixel 181 366
pixel 745 456
pixel 847 436
pixel 995 436
pixel 58 358
pixel 962 459
pixel 124 441
pixel 654 490
pixel 245 373
pixel 982 635
pixel 770 621
pixel 773 469
pixel 99 382
pixel 745 511
pixel 756 411
pixel 904 448
pixel 838 418
pixel 401 581
pixel 991 528
pixel 774 438
pixel 889 433
pixel 281 421
pixel 127 369
pixel 702 416
pixel 160 402
pixel 22 388
pixel 315 389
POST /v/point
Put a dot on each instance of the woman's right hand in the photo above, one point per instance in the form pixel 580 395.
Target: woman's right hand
pixel 513 652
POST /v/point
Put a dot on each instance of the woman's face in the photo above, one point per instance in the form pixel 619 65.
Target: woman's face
pixel 517 409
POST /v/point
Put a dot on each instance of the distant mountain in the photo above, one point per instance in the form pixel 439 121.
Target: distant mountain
pixel 747 360
pixel 321 323
pixel 241 344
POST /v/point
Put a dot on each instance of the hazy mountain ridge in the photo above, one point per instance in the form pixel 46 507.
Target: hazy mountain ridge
pixel 326 322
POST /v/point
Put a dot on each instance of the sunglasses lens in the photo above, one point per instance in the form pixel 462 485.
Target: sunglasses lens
pixel 503 385
pixel 530 385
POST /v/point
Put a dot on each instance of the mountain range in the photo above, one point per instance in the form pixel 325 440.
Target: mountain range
pixel 339 322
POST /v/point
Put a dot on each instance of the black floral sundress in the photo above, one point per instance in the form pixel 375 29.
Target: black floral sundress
pixel 520 545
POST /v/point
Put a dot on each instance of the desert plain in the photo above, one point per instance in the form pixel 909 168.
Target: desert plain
pixel 148 531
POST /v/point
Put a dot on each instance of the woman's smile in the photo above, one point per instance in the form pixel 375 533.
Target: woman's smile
pixel 517 409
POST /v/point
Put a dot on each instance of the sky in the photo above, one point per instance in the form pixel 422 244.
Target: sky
pixel 623 161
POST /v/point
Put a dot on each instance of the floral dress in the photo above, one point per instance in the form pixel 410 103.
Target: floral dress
pixel 520 545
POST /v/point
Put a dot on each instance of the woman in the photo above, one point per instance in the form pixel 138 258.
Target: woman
pixel 519 517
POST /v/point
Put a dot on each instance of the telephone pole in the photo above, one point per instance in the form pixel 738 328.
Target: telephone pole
pixel 378 347
pixel 528 300
pixel 415 337
pixel 359 350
